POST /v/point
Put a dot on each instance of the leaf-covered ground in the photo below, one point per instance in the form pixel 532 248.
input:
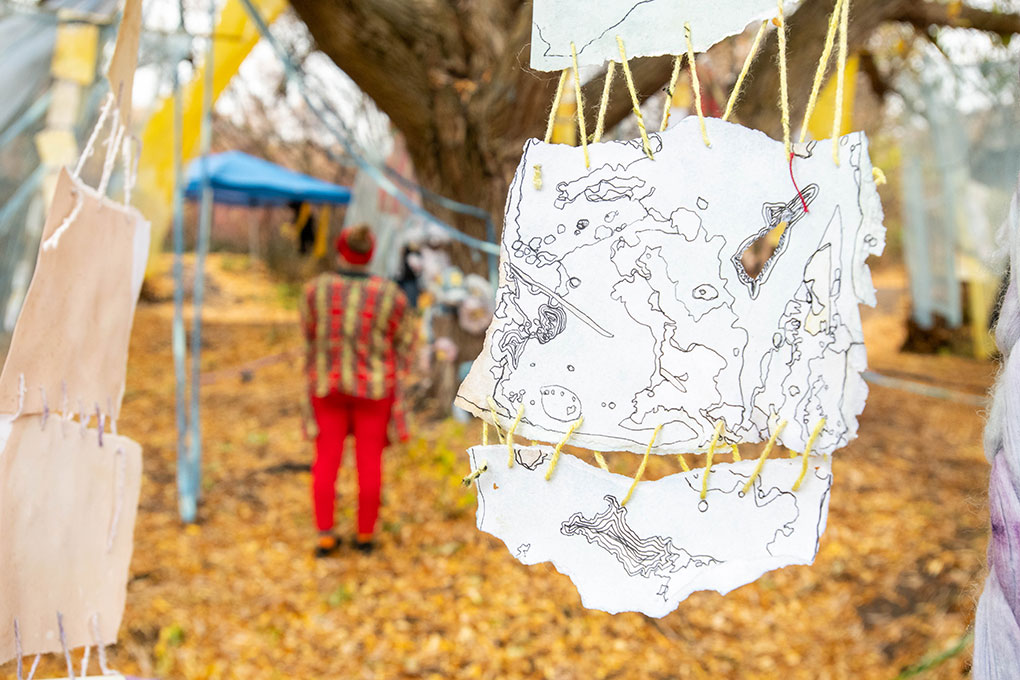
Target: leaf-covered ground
pixel 240 596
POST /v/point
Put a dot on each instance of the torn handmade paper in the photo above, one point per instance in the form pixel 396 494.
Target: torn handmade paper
pixel 121 72
pixel 67 515
pixel 696 287
pixel 648 28
pixel 72 335
pixel 667 542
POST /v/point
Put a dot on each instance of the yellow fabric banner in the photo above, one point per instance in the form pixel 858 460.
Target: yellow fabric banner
pixel 74 52
pixel 820 125
pixel 236 36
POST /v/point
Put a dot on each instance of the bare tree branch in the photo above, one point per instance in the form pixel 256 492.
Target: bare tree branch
pixel 924 15
pixel 880 83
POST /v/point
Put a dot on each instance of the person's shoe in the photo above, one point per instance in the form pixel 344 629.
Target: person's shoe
pixel 328 545
pixel 364 544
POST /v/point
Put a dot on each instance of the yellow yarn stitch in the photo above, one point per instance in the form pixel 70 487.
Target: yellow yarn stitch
pixel 735 95
pixel 634 98
pixel 559 447
pixel 485 433
pixel 667 109
pixel 695 84
pixel 784 87
pixel 555 107
pixel 510 437
pixel 807 452
pixel 641 468
pixel 580 108
pixel 823 64
pixel 708 459
pixel 736 453
pixel 764 455
pixel 683 462
pixel 495 418
pixel 837 121
pixel 604 104
pixel 600 459
pixel 466 481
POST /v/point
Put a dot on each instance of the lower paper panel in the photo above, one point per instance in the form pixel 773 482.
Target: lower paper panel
pixel 67 515
pixel 666 543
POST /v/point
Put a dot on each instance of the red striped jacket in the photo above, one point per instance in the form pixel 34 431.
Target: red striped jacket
pixel 358 334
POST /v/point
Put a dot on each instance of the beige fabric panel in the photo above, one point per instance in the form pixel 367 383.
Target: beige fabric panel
pixel 67 516
pixel 75 325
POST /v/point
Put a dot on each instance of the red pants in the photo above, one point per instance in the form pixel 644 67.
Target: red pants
pixel 339 415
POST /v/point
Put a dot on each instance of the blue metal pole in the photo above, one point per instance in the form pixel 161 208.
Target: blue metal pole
pixel 186 501
pixel 201 250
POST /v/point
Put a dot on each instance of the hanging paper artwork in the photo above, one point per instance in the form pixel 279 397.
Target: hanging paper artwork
pixel 682 293
pixel 68 499
pixel 72 336
pixel 667 542
pixel 69 491
pixel 629 294
pixel 648 27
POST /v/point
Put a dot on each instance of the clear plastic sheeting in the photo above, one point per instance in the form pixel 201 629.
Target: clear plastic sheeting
pixel 958 175
pixel 28 35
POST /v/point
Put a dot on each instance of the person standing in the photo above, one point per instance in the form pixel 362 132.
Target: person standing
pixel 358 332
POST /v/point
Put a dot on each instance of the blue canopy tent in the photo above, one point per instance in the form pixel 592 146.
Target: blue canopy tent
pixel 240 179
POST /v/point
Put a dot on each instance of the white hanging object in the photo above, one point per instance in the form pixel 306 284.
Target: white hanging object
pixel 648 27
pixel 625 295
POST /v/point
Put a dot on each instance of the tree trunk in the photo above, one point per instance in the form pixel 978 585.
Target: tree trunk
pixel 454 78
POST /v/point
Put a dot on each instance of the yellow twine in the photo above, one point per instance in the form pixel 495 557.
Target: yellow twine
pixel 604 104
pixel 807 452
pixel 736 453
pixel 555 106
pixel 708 459
pixel 536 179
pixel 559 447
pixel 510 437
pixel 466 481
pixel 600 459
pixel 634 98
pixel 667 109
pixel 683 462
pixel 580 107
pixel 696 84
pixel 485 433
pixel 823 64
pixel 764 455
pixel 641 468
pixel 837 120
pixel 784 88
pixel 879 176
pixel 735 95
pixel 495 418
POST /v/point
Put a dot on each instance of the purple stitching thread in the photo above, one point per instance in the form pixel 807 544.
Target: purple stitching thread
pixel 17 645
pixel 63 643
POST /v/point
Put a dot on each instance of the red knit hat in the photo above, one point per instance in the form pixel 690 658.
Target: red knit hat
pixel 350 255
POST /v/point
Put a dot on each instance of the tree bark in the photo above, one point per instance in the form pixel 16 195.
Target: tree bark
pixel 454 77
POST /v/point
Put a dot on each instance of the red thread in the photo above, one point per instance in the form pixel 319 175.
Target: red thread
pixel 799 194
